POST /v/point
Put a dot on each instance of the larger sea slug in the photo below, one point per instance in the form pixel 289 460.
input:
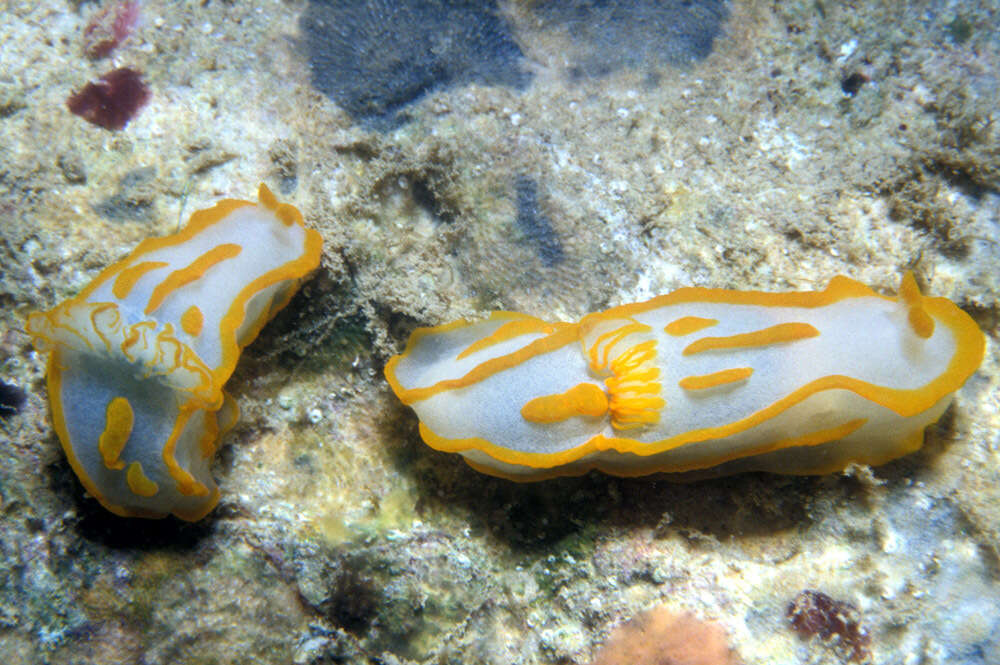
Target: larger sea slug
pixel 698 379
pixel 137 361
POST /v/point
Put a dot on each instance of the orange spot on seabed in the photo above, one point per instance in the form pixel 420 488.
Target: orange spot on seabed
pixel 659 636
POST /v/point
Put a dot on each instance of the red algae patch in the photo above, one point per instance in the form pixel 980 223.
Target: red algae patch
pixel 112 100
pixel 109 27
pixel 813 613
pixel 662 637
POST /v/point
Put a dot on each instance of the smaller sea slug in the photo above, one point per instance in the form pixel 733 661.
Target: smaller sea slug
pixel 138 359
pixel 698 379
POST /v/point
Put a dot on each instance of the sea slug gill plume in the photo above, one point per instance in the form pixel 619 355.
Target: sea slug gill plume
pixel 137 361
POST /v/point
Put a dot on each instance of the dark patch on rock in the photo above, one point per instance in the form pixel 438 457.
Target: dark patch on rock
pixel 72 167
pixel 612 34
pixel 815 614
pixel 852 83
pixel 376 57
pixel 12 399
pixel 987 316
pixel 425 196
pixel 960 29
pixel 535 224
pixel 353 600
pixel 203 156
pixel 112 100
pixel 346 589
pixel 134 199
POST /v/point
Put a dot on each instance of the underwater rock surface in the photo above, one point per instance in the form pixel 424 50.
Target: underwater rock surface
pixel 341 537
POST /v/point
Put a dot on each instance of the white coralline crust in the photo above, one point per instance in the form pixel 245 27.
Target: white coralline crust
pixel 138 360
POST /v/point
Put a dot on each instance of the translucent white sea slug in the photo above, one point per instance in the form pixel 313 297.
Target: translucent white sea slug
pixel 698 379
pixel 137 361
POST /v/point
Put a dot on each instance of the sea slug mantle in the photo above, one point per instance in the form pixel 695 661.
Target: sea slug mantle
pixel 698 379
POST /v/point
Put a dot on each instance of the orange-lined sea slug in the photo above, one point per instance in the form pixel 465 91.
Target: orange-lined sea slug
pixel 729 381
pixel 137 361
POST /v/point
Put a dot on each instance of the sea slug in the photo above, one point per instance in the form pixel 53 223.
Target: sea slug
pixel 698 379
pixel 137 361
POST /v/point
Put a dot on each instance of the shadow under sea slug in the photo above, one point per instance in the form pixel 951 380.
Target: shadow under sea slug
pixel 137 361
pixel 700 380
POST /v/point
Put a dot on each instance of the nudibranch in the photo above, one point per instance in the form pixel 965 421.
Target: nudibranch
pixel 699 380
pixel 137 361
